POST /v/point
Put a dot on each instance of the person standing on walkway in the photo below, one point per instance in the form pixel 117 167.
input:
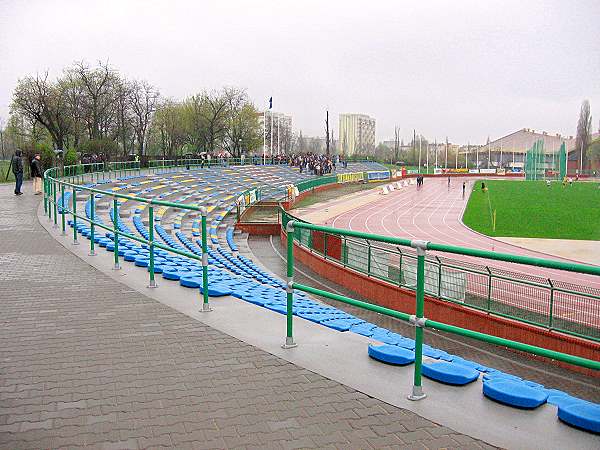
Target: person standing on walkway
pixel 37 174
pixel 464 186
pixel 17 168
pixel 448 183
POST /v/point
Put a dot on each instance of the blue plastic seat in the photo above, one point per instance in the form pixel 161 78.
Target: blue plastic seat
pixel 190 281
pixel 217 290
pixel 450 373
pixel 514 393
pixel 584 415
pixel 142 261
pixel 341 324
pixel 391 354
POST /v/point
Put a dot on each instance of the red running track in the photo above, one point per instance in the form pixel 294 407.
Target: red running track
pixel 433 213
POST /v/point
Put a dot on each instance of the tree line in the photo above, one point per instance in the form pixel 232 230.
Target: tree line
pixel 97 110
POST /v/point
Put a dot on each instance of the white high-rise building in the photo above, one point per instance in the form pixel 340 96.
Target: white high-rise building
pixel 356 134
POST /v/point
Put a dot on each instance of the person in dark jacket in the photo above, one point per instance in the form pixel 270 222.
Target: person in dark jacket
pixel 36 174
pixel 17 168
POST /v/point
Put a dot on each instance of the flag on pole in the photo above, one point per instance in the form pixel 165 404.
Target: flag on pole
pixel 270 102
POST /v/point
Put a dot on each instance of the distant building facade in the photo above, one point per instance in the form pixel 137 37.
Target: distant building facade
pixel 282 132
pixel 510 150
pixel 356 134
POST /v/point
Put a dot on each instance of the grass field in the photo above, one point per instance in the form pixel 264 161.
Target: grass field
pixel 532 209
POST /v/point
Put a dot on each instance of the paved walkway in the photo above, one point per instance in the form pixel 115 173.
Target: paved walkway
pixel 85 361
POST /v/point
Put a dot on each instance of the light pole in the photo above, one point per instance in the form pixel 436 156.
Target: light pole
pixel 420 142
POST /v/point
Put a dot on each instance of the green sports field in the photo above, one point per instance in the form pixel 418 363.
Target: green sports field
pixel 532 209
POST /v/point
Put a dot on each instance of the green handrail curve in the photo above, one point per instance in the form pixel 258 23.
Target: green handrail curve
pixel 52 181
pixel 544 298
pixel 418 320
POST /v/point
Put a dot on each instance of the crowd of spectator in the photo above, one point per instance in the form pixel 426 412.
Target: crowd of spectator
pixel 315 163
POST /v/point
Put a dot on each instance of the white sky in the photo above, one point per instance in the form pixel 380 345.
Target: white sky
pixel 462 69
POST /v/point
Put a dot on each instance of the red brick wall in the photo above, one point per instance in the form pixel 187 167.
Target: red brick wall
pixel 260 229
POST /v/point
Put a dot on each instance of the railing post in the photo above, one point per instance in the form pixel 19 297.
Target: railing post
pixel 115 218
pixel 55 205
pixel 45 195
pixel 75 241
pixel 48 194
pixel 62 215
pixel 289 337
pixel 551 312
pixel 152 283
pixel 417 320
pixel 92 228
pixel 205 304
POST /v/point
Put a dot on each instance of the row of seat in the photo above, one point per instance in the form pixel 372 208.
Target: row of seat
pixel 240 277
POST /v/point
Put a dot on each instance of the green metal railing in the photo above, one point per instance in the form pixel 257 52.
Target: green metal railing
pixel 526 298
pixel 55 181
pixel 294 228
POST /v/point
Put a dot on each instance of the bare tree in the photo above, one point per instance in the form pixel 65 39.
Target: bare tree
pixel 123 114
pixel 45 103
pixel 243 128
pixel 215 114
pixel 99 96
pixel 584 128
pixel 143 98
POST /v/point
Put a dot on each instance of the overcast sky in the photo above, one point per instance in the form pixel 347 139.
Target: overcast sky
pixel 462 69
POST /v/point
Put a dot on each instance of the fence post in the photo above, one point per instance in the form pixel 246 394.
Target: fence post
pixel 369 259
pixel 205 304
pixel 418 320
pixel 289 336
pixel 152 283
pixel 92 218
pixel 551 312
pixel 75 242
pixel 62 215
pixel 400 267
pixel 489 294
pixel 439 276
pixel 115 218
